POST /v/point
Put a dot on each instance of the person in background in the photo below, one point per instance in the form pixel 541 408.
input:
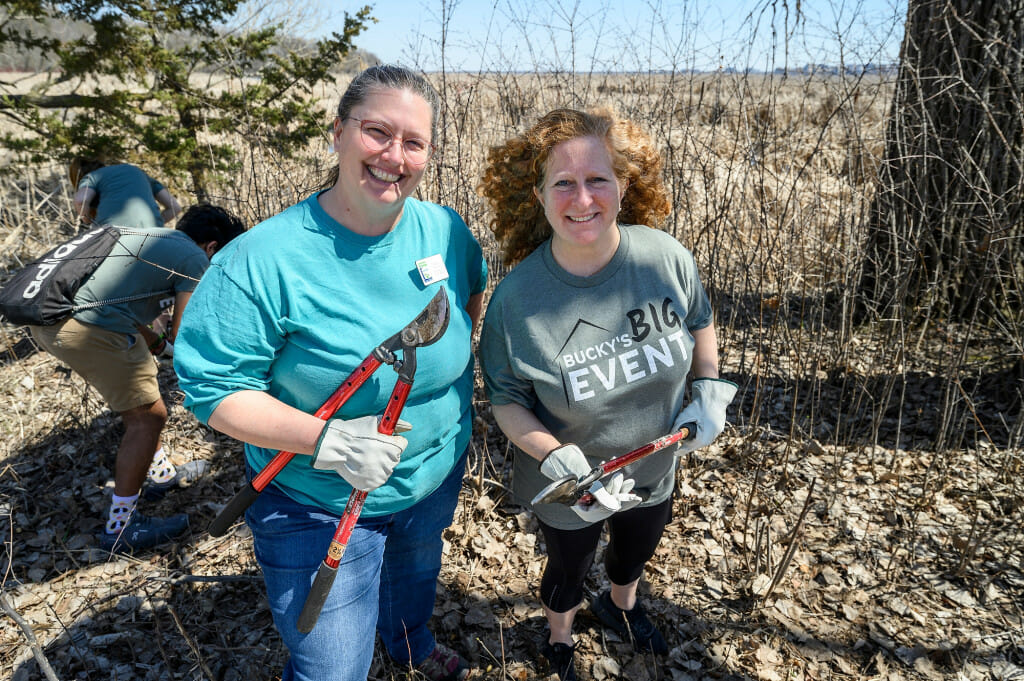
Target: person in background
pixel 149 268
pixel 122 195
pixel 285 314
pixel 585 350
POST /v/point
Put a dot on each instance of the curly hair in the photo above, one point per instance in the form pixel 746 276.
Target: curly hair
pixel 516 167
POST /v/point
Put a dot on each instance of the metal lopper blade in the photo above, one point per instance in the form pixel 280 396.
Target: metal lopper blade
pixel 430 324
pixel 563 491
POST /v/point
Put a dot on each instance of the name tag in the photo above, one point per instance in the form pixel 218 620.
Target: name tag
pixel 432 270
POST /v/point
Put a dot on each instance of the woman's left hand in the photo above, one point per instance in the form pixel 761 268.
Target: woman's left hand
pixel 711 396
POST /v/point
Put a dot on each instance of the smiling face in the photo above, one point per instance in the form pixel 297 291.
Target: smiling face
pixel 375 184
pixel 581 197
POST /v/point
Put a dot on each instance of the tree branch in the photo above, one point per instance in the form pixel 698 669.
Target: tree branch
pixel 70 101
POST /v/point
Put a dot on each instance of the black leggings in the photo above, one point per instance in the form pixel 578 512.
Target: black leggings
pixel 632 537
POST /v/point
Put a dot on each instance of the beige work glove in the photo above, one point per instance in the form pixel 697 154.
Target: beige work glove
pixel 356 451
pixel 711 396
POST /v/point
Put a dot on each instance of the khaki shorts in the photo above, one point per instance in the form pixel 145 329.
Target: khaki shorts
pixel 119 366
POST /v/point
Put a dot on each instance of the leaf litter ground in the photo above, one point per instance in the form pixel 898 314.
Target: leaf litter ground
pixel 784 560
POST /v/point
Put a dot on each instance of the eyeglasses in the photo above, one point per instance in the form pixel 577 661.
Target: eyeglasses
pixel 378 137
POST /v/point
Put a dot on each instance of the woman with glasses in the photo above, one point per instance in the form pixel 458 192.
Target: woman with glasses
pixel 275 327
pixel 586 349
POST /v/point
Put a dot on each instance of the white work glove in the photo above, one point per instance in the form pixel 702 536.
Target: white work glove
pixel 168 351
pixel 563 461
pixel 609 498
pixel 707 409
pixel 358 453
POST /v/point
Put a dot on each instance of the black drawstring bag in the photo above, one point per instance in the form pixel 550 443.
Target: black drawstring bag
pixel 43 292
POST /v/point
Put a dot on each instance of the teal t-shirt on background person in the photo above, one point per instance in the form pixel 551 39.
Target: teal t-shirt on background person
pixel 155 261
pixel 127 196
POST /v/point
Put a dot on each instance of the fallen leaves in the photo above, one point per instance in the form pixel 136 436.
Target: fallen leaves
pixel 871 590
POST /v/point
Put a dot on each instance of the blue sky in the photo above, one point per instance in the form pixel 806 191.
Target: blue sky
pixel 626 34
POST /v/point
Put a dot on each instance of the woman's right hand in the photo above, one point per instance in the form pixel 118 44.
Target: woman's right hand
pixel 611 497
pixel 357 452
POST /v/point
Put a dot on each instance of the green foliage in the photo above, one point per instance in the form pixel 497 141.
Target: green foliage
pixel 162 84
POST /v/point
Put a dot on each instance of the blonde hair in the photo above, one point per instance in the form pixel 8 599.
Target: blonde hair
pixel 516 167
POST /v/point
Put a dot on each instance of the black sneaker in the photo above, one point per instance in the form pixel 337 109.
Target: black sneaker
pixel 561 657
pixel 185 475
pixel 443 664
pixel 631 625
pixel 143 532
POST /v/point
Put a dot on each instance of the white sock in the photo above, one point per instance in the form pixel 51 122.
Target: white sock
pixel 161 470
pixel 120 511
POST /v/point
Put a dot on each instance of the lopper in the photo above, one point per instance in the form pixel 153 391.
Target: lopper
pixel 570 490
pixel 398 351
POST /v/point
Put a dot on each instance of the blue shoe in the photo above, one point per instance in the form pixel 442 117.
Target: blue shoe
pixel 631 625
pixel 143 532
pixel 185 475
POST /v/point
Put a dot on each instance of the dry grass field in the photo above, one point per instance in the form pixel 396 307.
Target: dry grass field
pixel 861 518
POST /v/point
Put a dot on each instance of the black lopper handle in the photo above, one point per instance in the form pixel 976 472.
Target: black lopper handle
pixel 316 599
pixel 236 507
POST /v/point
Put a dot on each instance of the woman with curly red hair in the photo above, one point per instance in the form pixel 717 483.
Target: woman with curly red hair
pixel 586 348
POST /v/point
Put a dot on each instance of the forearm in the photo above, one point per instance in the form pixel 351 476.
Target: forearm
pixel 180 301
pixel 83 200
pixel 171 207
pixel 705 353
pixel 255 417
pixel 475 308
pixel 524 429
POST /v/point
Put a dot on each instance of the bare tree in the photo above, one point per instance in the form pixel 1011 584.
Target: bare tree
pixel 946 237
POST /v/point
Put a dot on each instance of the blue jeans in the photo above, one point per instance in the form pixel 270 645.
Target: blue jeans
pixel 386 580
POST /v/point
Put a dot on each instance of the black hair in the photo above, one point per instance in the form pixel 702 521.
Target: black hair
pixel 205 222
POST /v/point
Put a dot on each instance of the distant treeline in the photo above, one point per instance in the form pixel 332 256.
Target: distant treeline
pixel 34 60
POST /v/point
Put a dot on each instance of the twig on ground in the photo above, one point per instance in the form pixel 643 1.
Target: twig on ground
pixel 185 579
pixel 791 548
pixel 33 642
pixel 160 637
pixel 191 644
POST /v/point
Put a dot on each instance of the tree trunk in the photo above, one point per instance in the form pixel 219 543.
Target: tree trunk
pixel 945 237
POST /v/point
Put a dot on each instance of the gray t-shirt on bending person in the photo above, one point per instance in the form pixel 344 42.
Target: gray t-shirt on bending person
pixel 152 264
pixel 127 196
pixel 601 360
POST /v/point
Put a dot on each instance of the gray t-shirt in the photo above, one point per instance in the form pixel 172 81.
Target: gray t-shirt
pixel 127 196
pixel 601 360
pixel 157 261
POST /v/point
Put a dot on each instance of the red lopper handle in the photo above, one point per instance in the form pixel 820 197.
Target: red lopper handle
pixel 329 567
pixel 245 496
pixel 684 433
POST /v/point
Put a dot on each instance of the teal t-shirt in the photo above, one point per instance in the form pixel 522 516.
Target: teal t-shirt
pixel 154 263
pixel 601 360
pixel 126 196
pixel 295 304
